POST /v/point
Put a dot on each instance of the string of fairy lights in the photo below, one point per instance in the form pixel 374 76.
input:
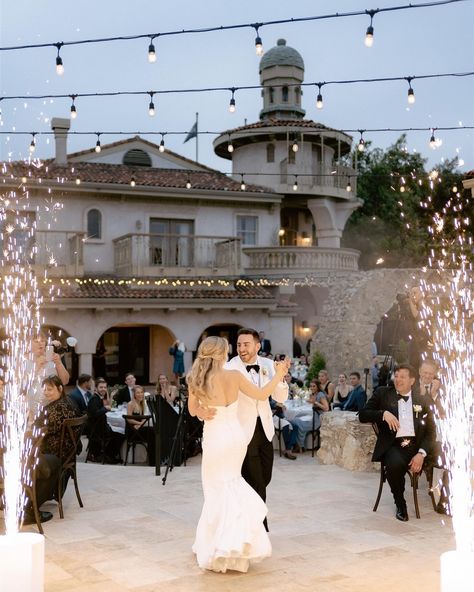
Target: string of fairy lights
pixel 256 26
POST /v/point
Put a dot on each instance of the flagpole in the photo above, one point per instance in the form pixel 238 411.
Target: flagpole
pixel 197 138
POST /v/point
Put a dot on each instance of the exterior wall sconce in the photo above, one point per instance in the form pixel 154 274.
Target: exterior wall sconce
pixel 304 326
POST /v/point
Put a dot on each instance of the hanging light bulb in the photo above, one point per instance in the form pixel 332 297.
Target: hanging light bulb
pixel 411 96
pixel 348 186
pixel 32 147
pixel 295 184
pixel 151 106
pixel 319 98
pixel 162 143
pixel 59 61
pixel 455 189
pixel 230 146
pixel 369 35
pixel 97 144
pixel 258 42
pixel 433 142
pixel 73 108
pixel 188 184
pixel 242 184
pixel 23 180
pixel 151 52
pixel 132 182
pixel 361 144
pixel 295 146
pixel 232 101
pixel 78 181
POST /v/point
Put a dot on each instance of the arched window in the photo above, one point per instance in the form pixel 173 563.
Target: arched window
pixel 270 152
pixel 271 94
pixel 298 95
pixel 284 94
pixel 94 224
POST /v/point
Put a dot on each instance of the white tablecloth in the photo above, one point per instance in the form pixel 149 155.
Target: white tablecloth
pixel 296 408
pixel 115 419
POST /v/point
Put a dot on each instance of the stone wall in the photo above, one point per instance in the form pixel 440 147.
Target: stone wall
pixel 346 442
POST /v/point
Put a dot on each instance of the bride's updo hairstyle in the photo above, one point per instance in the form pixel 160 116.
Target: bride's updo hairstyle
pixel 211 355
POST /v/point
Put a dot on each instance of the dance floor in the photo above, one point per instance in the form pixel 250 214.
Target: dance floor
pixel 136 534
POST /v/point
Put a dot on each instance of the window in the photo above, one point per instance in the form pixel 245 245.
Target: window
pixel 284 94
pixel 247 229
pixel 172 242
pixel 298 95
pixel 94 224
pixel 270 152
pixel 137 157
pixel 271 94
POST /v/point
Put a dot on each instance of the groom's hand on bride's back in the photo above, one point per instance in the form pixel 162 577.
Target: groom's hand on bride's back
pixel 205 413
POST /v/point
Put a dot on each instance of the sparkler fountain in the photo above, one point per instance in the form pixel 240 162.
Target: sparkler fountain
pixel 448 315
pixel 21 554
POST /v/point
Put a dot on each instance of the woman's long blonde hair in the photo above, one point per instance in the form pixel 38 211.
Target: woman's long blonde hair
pixel 211 355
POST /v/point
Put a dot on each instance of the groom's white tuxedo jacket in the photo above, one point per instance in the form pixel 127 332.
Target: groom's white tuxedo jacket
pixel 249 409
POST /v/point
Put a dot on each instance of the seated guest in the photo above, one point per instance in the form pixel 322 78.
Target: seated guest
pixel 287 431
pixel 138 406
pixel 341 392
pixel 99 430
pixel 102 390
pixel 82 393
pixel 304 424
pixel 292 383
pixel 168 391
pixel 406 432
pixel 125 394
pixel 326 385
pixel 358 397
pixel 57 408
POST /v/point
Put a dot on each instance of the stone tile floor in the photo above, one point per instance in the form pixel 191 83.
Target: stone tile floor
pixel 136 534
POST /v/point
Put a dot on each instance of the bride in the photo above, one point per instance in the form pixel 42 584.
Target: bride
pixel 230 533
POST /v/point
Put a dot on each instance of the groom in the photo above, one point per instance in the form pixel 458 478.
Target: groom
pixel 256 416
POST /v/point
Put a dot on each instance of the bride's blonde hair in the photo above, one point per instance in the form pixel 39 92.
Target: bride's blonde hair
pixel 211 355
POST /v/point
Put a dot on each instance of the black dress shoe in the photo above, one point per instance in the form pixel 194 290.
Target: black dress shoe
pixel 443 508
pixel 29 517
pixel 402 513
pixel 289 455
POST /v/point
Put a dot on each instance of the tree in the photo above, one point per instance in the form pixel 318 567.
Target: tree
pixel 392 225
pixel 318 362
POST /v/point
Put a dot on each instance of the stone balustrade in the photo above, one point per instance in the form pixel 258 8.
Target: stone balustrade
pixel 346 442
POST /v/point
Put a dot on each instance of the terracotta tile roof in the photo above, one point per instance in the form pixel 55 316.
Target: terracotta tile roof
pixel 121 174
pixel 120 289
pixel 306 123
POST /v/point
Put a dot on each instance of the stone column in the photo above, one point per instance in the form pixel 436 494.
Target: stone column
pixel 85 363
pixel 330 217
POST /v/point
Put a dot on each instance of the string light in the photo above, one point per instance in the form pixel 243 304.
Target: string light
pixel 59 61
pixel 97 144
pixel 369 35
pixel 132 182
pixel 361 144
pixel 151 106
pixel 434 142
pixel 78 181
pixel 33 143
pixel 455 189
pixel 230 146
pixel 242 184
pixel 162 143
pixel 151 51
pixel 411 92
pixel 188 184
pixel 295 146
pixel 319 98
pixel 232 101
pixel 348 186
pixel 258 41
pixel 295 184
pixel 73 107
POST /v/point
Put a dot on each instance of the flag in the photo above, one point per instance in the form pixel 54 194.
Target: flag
pixel 193 132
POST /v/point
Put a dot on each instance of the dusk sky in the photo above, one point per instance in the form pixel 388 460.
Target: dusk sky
pixel 406 43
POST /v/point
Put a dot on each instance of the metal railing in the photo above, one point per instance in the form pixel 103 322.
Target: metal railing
pixel 62 250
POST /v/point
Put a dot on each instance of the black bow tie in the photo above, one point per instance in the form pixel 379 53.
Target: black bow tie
pixel 404 397
pixel 255 367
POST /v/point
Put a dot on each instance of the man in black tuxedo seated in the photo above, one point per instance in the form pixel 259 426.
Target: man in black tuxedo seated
pixel 406 432
pixel 102 438
pixel 125 394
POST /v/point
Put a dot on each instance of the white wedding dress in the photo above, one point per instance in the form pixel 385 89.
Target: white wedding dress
pixel 230 533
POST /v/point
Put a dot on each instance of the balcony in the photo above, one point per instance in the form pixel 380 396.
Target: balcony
pixel 327 181
pixel 148 255
pixel 60 252
pixel 298 262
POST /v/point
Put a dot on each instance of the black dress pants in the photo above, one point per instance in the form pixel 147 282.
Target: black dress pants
pixel 258 462
pixel 396 460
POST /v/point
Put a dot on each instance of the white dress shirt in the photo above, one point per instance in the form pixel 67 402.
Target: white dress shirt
pixel 405 418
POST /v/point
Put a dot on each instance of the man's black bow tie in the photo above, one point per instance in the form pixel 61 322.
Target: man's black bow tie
pixel 255 367
pixel 404 397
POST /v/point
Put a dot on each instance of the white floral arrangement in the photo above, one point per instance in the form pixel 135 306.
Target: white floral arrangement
pixel 301 393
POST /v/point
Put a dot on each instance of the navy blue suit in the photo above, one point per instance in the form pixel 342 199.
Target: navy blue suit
pixel 78 400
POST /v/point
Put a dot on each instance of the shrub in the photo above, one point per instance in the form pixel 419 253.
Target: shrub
pixel 318 362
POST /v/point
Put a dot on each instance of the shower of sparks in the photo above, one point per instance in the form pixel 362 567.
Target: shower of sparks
pixel 448 315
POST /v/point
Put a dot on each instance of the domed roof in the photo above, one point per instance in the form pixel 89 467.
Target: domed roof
pixel 281 55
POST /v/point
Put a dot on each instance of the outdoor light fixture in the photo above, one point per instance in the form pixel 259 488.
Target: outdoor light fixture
pixel 348 186
pixel 188 184
pixel 411 92
pixel 242 184
pixel 32 147
pixel 361 145
pixel 230 146
pixel 295 184
pixel 78 181
pixel 295 146
pixel 73 107
pixel 232 102
pixel 304 326
pixel 97 144
pixel 369 35
pixel 151 106
pixel 319 98
pixel 151 52
pixel 59 61
pixel 132 182
pixel 258 42
pixel 162 143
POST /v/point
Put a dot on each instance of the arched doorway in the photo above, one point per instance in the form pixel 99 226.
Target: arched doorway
pixel 69 358
pixel 139 349
pixel 227 330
